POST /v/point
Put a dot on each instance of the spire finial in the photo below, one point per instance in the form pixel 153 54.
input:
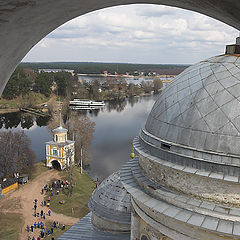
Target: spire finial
pixel 60 116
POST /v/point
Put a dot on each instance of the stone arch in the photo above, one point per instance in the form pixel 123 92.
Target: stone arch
pixel 24 23
pixel 56 164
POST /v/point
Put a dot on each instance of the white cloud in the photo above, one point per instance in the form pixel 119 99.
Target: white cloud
pixel 136 33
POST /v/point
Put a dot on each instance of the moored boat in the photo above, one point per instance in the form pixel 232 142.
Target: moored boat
pixel 86 103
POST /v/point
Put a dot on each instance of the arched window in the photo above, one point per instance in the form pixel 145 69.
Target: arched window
pixel 56 137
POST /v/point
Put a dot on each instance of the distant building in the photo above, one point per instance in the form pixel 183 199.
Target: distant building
pixel 60 151
pixel 55 70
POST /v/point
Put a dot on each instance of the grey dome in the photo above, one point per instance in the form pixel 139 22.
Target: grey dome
pixel 200 109
pixel 110 201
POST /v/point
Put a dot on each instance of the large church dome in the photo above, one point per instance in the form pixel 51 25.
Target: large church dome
pixel 200 109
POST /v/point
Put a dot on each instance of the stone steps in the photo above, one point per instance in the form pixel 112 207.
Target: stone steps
pixel 163 203
pixel 182 200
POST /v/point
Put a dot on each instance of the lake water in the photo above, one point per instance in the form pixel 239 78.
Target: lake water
pixel 116 126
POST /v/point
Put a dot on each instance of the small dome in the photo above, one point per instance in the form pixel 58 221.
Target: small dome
pixel 111 202
pixel 200 109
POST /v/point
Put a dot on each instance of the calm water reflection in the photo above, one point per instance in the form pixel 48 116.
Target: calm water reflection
pixel 116 126
pixel 114 131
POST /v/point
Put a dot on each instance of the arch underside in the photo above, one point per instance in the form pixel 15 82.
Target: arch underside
pixel 56 164
pixel 23 23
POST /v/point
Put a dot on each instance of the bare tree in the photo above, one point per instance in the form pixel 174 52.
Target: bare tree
pixel 157 85
pixel 81 129
pixel 69 169
pixel 15 153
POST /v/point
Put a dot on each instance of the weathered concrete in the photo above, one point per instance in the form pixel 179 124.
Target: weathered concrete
pixel 135 225
pixel 109 226
pixel 191 184
pixel 23 23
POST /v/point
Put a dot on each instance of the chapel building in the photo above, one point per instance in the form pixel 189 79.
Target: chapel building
pixel 59 151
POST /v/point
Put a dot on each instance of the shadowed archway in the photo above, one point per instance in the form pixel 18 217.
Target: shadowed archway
pixel 56 165
pixel 23 23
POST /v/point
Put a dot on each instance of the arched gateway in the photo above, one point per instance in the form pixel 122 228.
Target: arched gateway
pixel 23 23
pixel 59 151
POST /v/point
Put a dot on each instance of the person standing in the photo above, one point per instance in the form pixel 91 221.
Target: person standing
pixel 49 212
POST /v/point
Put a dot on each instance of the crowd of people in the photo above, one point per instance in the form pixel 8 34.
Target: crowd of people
pixel 55 187
pixel 41 215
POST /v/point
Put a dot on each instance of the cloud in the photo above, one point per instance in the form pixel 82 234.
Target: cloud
pixel 136 33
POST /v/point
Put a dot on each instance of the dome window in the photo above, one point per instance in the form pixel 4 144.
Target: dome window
pixel 165 146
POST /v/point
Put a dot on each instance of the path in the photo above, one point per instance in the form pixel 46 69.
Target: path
pixel 21 201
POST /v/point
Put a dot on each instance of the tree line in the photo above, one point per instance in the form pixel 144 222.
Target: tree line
pixel 25 81
pixel 114 88
pixel 98 67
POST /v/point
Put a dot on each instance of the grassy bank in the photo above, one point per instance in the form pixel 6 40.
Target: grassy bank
pixel 38 169
pixel 77 205
pixel 31 98
pixel 12 223
pixel 57 231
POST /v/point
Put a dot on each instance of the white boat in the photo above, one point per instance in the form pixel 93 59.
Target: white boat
pixel 86 103
pixel 85 107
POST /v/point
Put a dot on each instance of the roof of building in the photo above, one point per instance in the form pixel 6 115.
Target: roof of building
pixel 200 109
pixel 8 182
pixel 84 230
pixel 111 201
pixel 60 130
pixel 60 144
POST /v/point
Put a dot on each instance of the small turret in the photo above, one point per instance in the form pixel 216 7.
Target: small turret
pixel 233 48
pixel 60 133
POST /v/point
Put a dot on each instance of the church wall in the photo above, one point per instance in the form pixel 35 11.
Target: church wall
pixel 190 184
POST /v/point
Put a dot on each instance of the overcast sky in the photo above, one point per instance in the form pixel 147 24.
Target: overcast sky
pixel 135 34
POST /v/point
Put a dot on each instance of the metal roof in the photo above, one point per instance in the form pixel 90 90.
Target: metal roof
pixel 111 201
pixel 60 144
pixel 84 230
pixel 8 182
pixel 201 107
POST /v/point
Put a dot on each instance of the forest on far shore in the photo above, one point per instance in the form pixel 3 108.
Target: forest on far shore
pixel 98 68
